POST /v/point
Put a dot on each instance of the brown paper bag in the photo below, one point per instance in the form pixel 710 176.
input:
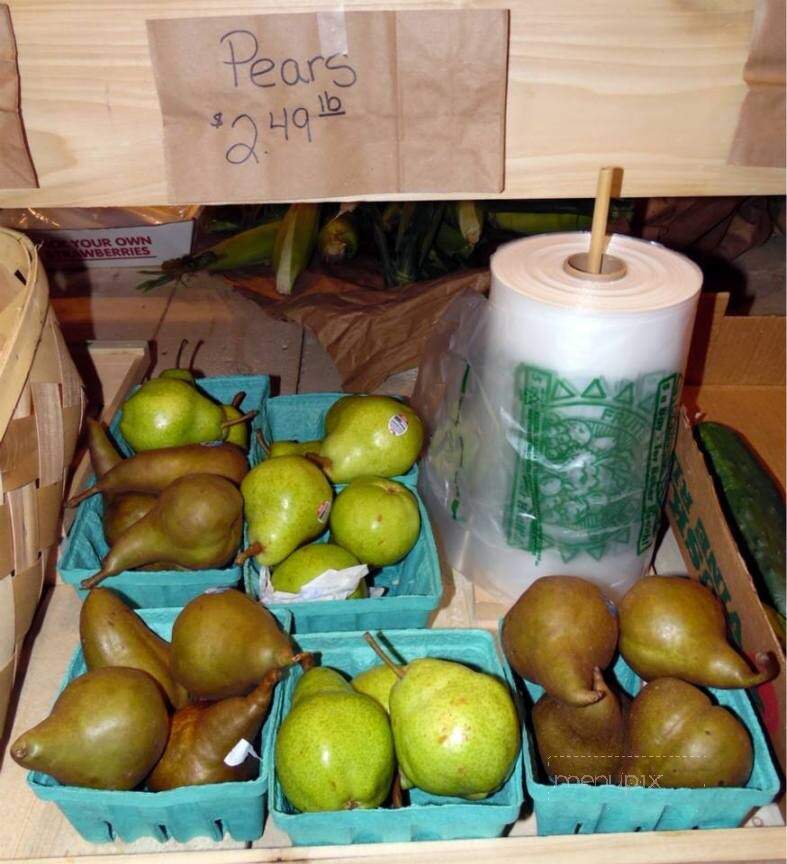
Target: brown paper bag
pixel 369 334
pixel 760 136
pixel 16 166
pixel 332 104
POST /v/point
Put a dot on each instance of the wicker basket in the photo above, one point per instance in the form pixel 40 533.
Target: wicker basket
pixel 41 405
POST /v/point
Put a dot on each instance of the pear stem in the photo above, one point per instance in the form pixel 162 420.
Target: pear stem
pixel 248 552
pixel 396 791
pixel 374 645
pixel 81 496
pixel 242 419
pixel 94 580
pixel 197 346
pixel 767 666
pixel 238 398
pixel 305 658
pixel 266 448
pixel 321 462
pixel 179 355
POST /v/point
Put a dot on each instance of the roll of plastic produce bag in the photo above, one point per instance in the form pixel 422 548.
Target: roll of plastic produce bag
pixel 551 448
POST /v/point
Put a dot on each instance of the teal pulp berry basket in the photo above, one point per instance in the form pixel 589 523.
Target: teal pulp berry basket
pixel 413 589
pixel 301 417
pixel 101 816
pixel 426 817
pixel 85 546
pixel 577 808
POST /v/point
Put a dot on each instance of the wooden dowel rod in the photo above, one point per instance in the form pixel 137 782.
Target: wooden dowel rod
pixel 598 230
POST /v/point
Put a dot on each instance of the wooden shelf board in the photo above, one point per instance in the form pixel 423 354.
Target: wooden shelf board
pixel 656 89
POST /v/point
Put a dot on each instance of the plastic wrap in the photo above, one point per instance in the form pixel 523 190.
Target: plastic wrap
pixel 552 442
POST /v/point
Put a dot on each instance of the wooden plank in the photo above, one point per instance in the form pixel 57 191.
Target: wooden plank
pixel 115 367
pixel 238 337
pixel 656 90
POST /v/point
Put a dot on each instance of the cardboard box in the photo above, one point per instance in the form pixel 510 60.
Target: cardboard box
pixel 107 237
pixel 736 375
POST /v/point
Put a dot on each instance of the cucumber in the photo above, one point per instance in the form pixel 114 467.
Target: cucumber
pixel 753 505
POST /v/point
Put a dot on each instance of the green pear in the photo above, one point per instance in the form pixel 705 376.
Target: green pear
pixel 317 680
pixel 376 519
pixel 167 412
pixel 334 413
pixel 238 433
pixel 308 562
pixel 179 375
pixel 371 435
pixel 294 448
pixel 334 749
pixel 287 501
pixel 456 731
pixel 377 683
pixel 106 730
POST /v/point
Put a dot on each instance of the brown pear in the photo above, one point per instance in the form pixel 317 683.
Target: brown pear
pixel 557 632
pixel 123 511
pixel 675 627
pixel 197 522
pixel 107 730
pixel 153 470
pixel 120 511
pixel 678 738
pixel 112 634
pixel 581 744
pixel 203 734
pixel 103 453
pixel 224 643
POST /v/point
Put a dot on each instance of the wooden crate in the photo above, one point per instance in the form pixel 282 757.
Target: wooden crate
pixel 655 86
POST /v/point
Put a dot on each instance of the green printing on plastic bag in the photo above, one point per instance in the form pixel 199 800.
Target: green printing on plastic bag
pixel 592 463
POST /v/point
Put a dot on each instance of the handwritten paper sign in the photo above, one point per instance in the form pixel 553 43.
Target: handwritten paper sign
pixel 331 104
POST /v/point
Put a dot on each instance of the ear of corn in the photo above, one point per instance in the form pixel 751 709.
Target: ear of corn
pixel 539 223
pixel 338 239
pixel 469 218
pixel 246 249
pixel 451 242
pixel 254 246
pixel 294 245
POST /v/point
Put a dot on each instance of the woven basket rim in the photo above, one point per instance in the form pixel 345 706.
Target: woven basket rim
pixel 21 321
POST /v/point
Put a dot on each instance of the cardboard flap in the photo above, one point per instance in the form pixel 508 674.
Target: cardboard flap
pixel 16 166
pixel 760 136
pixel 712 556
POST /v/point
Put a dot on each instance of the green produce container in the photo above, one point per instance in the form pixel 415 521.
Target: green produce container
pixel 301 417
pixel 413 587
pixel 100 816
pixel 85 546
pixel 577 808
pixel 426 817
